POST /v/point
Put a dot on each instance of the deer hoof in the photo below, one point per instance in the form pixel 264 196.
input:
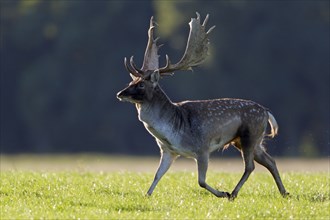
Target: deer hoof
pixel 232 197
pixel 286 195
pixel 221 194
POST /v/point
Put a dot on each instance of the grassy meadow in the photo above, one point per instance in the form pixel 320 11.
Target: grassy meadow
pixel 77 194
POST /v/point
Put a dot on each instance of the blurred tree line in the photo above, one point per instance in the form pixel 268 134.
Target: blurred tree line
pixel 62 65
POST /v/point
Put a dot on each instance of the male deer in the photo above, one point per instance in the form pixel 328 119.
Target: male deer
pixel 196 128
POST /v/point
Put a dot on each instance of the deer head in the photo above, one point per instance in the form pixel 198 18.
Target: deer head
pixel 145 79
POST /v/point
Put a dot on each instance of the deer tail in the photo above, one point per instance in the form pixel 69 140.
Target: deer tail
pixel 273 125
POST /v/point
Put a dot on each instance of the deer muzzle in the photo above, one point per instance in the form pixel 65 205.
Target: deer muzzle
pixel 121 96
pixel 126 96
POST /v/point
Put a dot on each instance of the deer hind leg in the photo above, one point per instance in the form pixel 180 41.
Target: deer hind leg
pixel 246 145
pixel 263 158
pixel 165 162
pixel 202 164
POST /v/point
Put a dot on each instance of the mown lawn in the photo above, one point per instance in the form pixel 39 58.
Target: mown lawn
pixel 121 195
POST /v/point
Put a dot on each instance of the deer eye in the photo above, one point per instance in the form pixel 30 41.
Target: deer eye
pixel 141 85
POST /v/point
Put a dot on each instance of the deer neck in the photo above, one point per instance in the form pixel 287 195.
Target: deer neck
pixel 160 109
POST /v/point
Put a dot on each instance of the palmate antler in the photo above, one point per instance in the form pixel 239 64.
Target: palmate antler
pixel 195 53
pixel 151 57
pixel 196 49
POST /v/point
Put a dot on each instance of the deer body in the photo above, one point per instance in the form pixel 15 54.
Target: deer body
pixel 194 129
pixel 211 124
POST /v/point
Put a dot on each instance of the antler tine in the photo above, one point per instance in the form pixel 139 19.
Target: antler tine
pixel 211 29
pixel 130 69
pixel 196 49
pixel 126 66
pixel 198 16
pixel 168 64
pixel 206 20
pixel 151 28
pixel 168 61
pixel 134 66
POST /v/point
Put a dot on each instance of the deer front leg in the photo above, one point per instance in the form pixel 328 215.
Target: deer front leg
pixel 166 160
pixel 202 164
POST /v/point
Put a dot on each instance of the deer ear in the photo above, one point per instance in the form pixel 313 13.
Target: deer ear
pixel 154 77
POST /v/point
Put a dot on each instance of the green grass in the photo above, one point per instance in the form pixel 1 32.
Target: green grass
pixel 121 195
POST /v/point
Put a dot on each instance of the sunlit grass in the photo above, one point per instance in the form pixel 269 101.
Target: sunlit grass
pixel 121 195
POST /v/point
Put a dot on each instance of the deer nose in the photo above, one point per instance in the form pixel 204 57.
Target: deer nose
pixel 120 95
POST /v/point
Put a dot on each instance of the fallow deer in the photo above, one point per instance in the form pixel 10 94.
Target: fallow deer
pixel 194 129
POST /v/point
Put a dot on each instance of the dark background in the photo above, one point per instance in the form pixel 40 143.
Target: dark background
pixel 62 65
